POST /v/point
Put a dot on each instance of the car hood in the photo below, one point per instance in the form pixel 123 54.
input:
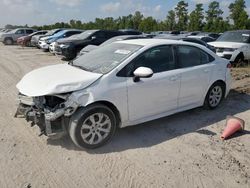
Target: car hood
pixel 45 38
pixel 55 79
pixel 221 44
pixel 70 40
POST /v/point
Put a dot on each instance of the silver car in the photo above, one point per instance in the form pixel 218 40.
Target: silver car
pixel 12 36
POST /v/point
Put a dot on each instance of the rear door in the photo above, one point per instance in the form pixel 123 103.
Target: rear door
pixel 29 31
pixel 196 68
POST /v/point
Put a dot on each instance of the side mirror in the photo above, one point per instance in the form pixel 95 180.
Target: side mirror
pixel 142 72
pixel 93 37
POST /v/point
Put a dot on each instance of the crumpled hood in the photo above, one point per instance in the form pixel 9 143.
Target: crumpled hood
pixel 221 44
pixel 55 79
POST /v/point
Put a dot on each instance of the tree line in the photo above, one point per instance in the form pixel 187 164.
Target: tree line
pixel 210 20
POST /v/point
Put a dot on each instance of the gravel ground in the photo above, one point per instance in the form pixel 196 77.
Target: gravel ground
pixel 183 150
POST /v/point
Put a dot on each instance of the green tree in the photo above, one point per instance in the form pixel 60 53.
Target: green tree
pixel 170 21
pixel 238 14
pixel 213 16
pixel 148 25
pixel 181 15
pixel 196 18
pixel 137 18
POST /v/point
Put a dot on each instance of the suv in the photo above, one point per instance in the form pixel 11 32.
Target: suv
pixel 70 47
pixel 12 36
pixel 234 46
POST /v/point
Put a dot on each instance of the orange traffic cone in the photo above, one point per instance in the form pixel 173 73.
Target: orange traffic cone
pixel 233 125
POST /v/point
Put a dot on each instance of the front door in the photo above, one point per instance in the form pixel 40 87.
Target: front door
pixel 158 94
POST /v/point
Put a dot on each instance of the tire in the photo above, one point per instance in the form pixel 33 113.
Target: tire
pixel 87 126
pixel 28 44
pixel 8 41
pixel 214 95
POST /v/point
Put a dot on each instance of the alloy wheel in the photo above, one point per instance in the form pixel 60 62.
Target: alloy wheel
pixel 95 128
pixel 215 96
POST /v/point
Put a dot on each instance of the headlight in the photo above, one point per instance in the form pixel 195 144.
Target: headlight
pixel 64 45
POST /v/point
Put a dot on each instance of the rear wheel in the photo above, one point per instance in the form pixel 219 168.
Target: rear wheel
pixel 8 41
pixel 92 126
pixel 215 95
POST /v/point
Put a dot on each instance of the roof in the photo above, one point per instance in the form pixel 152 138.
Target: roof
pixel 152 42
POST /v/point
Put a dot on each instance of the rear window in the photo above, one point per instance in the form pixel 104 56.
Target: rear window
pixel 189 56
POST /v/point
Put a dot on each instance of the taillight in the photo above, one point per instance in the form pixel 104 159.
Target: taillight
pixel 229 65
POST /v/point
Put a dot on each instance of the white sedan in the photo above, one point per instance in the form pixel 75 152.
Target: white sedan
pixel 122 84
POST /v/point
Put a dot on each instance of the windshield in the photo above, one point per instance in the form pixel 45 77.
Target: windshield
pixel 51 32
pixel 86 34
pixel 106 58
pixel 59 33
pixel 13 31
pixel 235 36
pixel 114 39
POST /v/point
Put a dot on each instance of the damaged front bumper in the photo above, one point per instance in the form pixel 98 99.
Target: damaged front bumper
pixel 50 113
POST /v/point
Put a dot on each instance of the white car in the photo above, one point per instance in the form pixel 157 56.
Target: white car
pixel 122 84
pixel 43 43
pixel 52 47
pixel 234 46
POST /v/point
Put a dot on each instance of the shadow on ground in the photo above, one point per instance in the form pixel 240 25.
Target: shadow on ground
pixel 161 130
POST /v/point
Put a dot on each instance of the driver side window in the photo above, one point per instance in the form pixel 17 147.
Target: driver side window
pixel 159 59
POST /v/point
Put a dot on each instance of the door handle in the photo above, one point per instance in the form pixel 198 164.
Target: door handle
pixel 206 70
pixel 173 78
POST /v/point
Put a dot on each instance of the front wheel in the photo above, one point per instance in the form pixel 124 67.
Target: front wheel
pixel 215 95
pixel 8 41
pixel 92 127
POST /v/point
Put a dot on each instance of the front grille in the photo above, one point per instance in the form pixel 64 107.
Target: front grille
pixel 219 50
pixel 53 101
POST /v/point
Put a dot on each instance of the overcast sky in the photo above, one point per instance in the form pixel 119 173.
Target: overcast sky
pixel 39 12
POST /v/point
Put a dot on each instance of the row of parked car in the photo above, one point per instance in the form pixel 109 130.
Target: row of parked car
pixel 121 78
pixel 70 43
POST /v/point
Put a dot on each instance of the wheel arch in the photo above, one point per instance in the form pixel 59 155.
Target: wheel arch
pixel 222 82
pixel 112 107
pixel 241 54
pixel 8 37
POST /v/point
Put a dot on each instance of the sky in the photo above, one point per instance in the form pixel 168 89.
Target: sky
pixel 40 12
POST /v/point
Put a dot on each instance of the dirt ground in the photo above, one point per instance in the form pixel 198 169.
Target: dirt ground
pixel 183 150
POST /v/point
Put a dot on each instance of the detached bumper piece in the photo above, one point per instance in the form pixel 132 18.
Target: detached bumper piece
pixel 51 123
